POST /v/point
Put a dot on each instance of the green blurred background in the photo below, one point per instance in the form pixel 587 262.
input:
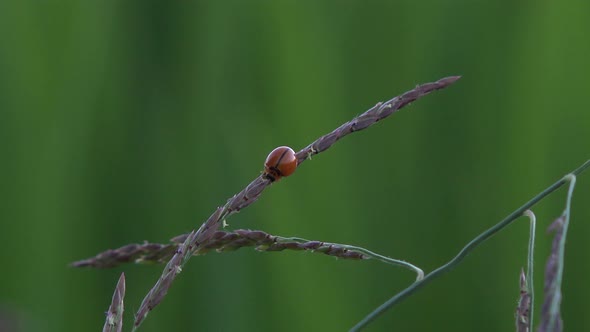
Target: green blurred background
pixel 125 121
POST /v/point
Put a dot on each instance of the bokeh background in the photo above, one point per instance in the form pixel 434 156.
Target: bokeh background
pixel 125 121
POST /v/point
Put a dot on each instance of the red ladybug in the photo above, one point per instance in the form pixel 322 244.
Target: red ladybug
pixel 280 162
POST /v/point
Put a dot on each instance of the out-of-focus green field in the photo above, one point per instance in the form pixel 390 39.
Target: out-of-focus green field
pixel 125 121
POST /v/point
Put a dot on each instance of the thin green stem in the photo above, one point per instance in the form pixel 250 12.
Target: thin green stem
pixel 571 178
pixel 464 252
pixel 384 259
pixel 530 262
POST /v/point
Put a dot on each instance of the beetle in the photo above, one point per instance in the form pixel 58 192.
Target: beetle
pixel 280 162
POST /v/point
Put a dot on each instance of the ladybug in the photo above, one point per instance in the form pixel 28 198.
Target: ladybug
pixel 280 162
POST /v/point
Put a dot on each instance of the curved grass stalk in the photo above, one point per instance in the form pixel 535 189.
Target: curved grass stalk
pixel 530 266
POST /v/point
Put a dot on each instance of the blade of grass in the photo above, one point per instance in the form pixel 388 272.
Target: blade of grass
pixel 530 266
